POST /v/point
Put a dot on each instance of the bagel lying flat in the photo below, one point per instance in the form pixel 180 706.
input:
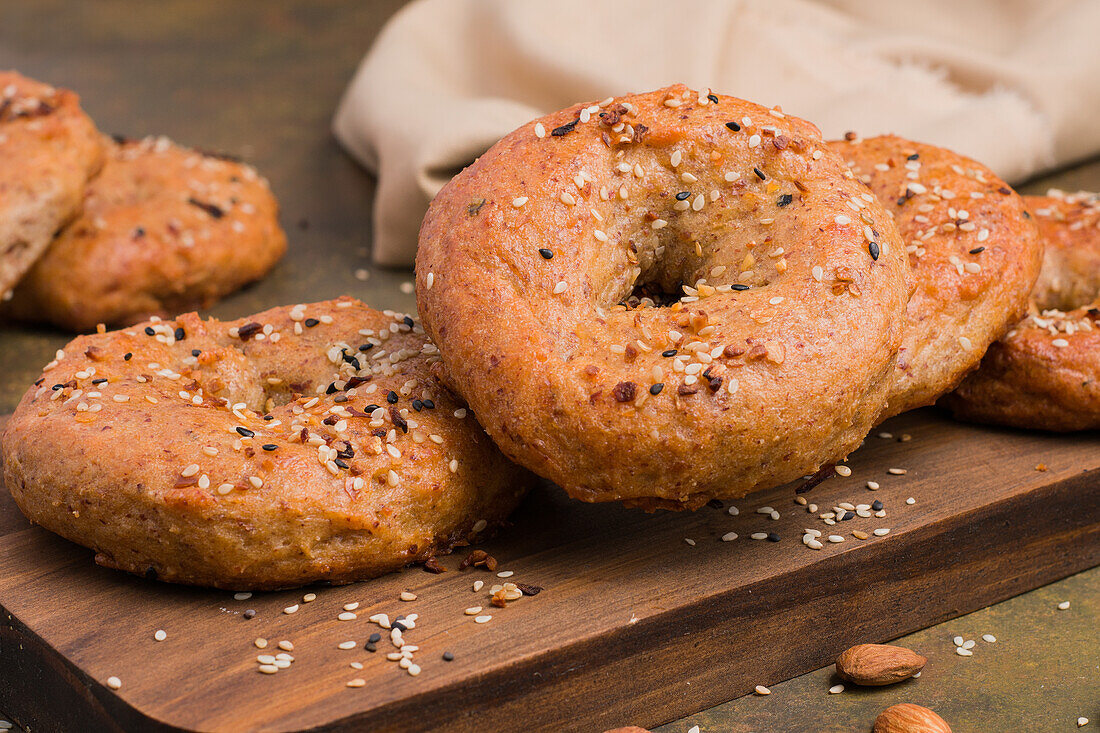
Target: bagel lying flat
pixel 975 255
pixel 301 444
pixel 1045 373
pixel 664 298
pixel 48 150
pixel 164 230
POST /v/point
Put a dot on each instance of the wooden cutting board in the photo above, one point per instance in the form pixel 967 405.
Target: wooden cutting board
pixel 636 624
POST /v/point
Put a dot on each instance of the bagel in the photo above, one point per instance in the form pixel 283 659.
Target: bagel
pixel 49 149
pixel 164 230
pixel 974 251
pixel 1045 373
pixel 301 444
pixel 665 298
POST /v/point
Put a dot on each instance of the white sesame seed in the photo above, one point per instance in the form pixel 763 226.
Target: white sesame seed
pixel 540 131
pixel 347 616
pixel 357 682
pixel 873 485
pixel 291 609
pixel 733 511
pixel 958 641
pixel 759 536
pixel 560 288
pixel 761 690
pixel 482 619
pixel 675 158
pixel 478 585
pixel 1063 605
pixel 835 538
pixel 765 510
pixel 843 470
pixel 1082 722
pixel 897 471
pixel 519 201
pixel 963 652
pixel 407 596
pixel 754 141
pixel 729 536
pixel 1060 343
pixel 244 596
pixel 114 683
pixel 989 638
pixel 429 280
pixel 346 645
pixel 836 689
pixel 969 644
pixel 842 219
pixel 910 501
pixel 479 525
pixel 658 224
pixel 160 635
pixel 351 606
pixel 882 531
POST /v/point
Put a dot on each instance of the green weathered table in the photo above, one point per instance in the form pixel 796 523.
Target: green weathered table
pixel 261 80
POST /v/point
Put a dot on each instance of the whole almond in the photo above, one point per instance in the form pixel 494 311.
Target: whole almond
pixel 909 718
pixel 878 664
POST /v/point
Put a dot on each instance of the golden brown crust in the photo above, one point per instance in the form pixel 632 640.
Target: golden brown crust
pixel 1045 373
pixel 561 373
pixel 164 230
pixel 49 149
pixel 1070 225
pixel 133 467
pixel 975 255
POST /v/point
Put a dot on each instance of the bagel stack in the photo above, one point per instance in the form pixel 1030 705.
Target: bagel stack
pixel 95 230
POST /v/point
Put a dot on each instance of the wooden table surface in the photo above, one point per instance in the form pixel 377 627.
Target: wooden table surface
pixel 261 80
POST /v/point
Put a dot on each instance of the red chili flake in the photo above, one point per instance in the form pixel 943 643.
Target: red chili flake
pixel 529 590
pixel 684 390
pixel 625 391
pixel 432 565
pixel 248 330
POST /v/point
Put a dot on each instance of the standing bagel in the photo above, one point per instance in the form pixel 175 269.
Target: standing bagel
pixel 48 150
pixel 974 251
pixel 1045 373
pixel 664 298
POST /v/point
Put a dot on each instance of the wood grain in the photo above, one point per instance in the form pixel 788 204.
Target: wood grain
pixel 635 625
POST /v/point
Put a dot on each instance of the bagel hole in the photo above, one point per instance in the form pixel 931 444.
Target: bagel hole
pixel 654 294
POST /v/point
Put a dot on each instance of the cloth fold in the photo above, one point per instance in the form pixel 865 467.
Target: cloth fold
pixel 1011 83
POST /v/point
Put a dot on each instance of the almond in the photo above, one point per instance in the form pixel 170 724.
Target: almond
pixel 909 718
pixel 878 664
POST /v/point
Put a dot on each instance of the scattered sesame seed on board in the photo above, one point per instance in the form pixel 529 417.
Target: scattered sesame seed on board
pixel 407 596
pixel 689 541
pixel 1082 722
pixel 482 619
pixel 260 643
pixel 291 609
pixel 1064 605
pixel 241 596
pixel 347 616
pixel 357 682
pixel 836 689
pixel 990 638
pixel 761 690
pixel 160 635
pixel 114 683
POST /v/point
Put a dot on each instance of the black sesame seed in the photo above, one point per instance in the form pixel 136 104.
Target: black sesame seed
pixel 245 432
pixel 149 331
pixel 366 347
pixel 873 248
pixel 180 334
pixel 391 397
pixel 739 286
pixel 668 352
pixel 784 200
pixel 773 537
pixel 418 405
pixel 398 625
pixel 430 404
pixel 269 417
pixel 977 250
pixel 196 352
pixel 682 195
pixel 409 321
pixel 370 408
pixel 101 380
pixel 311 322
pixel 341 463
pixel 270 446
pixel 759 174
pixel 127 356
pixel 914 156
pixel 370 646
pixel 374 638
pixel 656 388
pixel 734 126
pixel 139 232
pixel 448 657
pixel 546 254
pixel 564 129
pixel 876 505
pixel 847 516
pixel 57 387
pixel 250 613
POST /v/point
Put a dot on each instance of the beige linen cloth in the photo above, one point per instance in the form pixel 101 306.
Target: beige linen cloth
pixel 1012 83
